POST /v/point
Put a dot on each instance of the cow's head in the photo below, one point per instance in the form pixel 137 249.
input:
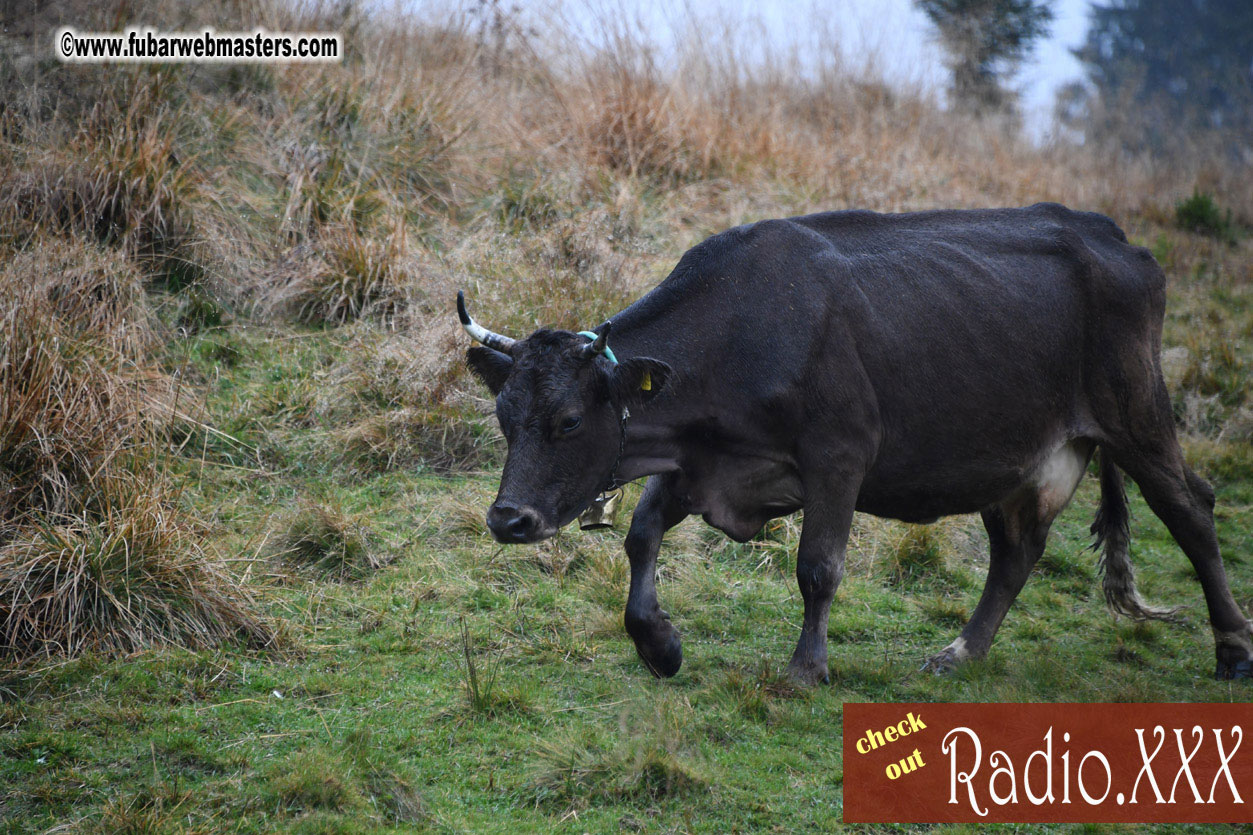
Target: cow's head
pixel 560 402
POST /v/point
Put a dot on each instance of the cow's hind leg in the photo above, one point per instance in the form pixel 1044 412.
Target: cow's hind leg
pixel 656 640
pixel 1017 530
pixel 1017 537
pixel 1185 503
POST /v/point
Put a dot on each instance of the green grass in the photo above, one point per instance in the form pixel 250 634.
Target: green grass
pixel 372 722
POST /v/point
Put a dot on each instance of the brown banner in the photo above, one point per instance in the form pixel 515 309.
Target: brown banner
pixel 1094 763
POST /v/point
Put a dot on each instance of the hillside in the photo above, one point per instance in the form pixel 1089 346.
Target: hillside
pixel 245 582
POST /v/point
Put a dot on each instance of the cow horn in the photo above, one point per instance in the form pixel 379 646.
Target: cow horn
pixel 479 333
pixel 600 344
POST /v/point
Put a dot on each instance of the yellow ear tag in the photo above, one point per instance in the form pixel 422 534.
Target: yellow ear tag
pixel 646 384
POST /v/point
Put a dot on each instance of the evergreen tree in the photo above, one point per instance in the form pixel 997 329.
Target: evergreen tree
pixel 1164 74
pixel 985 41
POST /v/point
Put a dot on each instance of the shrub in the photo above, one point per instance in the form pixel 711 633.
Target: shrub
pixel 1200 214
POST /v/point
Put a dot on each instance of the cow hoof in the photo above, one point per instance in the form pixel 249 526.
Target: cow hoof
pixel 1228 670
pixel 657 642
pixel 943 662
pixel 1235 656
pixel 808 674
pixel 664 657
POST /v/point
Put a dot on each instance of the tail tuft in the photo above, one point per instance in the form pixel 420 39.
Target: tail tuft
pixel 1112 530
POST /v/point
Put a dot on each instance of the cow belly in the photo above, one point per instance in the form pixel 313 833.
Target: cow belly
pixel 738 495
pixel 925 503
pixel 1050 476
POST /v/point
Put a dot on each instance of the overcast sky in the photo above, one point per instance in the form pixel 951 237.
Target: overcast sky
pixel 892 34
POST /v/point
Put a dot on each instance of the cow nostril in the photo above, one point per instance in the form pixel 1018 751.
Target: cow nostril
pixel 513 524
pixel 521 525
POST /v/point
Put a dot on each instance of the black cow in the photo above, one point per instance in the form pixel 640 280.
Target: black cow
pixel 911 366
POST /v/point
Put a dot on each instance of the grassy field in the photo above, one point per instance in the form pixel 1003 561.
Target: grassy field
pixel 240 455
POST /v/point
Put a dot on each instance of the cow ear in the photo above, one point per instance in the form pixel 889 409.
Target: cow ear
pixel 492 367
pixel 639 380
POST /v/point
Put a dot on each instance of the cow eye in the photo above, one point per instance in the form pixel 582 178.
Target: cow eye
pixel 570 424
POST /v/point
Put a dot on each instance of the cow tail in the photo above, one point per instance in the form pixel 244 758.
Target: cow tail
pixel 1112 531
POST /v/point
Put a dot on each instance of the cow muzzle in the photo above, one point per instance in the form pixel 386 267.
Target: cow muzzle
pixel 510 523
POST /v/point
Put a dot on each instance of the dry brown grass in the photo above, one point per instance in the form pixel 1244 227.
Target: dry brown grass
pixel 121 179
pixel 94 551
pixel 128 575
pixel 76 389
pixel 324 539
pixel 352 275
pixel 396 401
pixel 537 165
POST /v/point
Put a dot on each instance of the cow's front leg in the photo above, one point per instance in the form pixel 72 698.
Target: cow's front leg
pixel 819 569
pixel 656 640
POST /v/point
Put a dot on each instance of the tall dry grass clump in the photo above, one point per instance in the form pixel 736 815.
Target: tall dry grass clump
pixel 322 538
pixel 94 551
pixel 129 575
pixel 365 156
pixel 396 402
pixel 343 275
pixel 121 178
pixel 630 120
pixel 75 389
